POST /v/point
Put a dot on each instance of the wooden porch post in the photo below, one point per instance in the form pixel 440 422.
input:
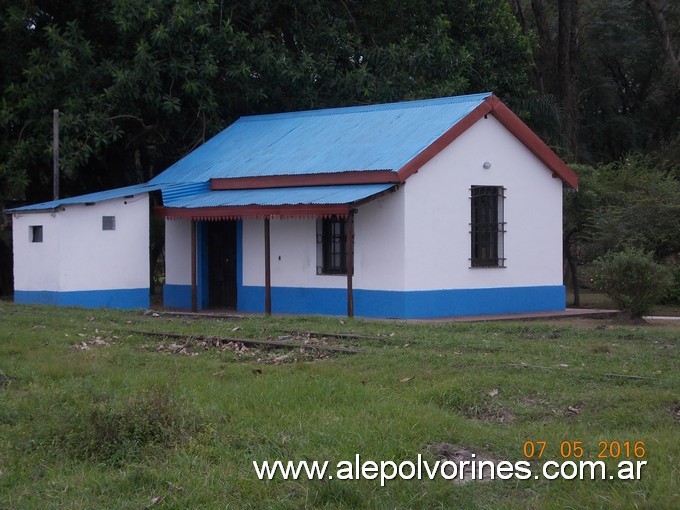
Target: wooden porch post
pixel 349 247
pixel 267 270
pixel 194 289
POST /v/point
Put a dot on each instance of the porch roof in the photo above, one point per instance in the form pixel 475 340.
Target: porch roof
pixel 305 201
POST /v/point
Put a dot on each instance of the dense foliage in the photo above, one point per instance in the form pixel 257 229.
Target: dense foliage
pixel 633 203
pixel 139 83
pixel 610 71
pixel 626 203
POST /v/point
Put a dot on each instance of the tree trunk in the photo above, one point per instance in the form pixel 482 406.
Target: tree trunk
pixel 567 59
pixel 535 72
pixel 656 8
pixel 573 269
pixel 517 10
pixel 545 64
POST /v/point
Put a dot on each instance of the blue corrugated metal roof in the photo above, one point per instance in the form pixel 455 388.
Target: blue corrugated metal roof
pixel 99 196
pixel 179 191
pixel 378 137
pixel 360 138
pixel 316 195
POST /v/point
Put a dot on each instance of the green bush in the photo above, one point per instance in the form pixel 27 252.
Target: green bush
pixel 672 296
pixel 117 430
pixel 632 279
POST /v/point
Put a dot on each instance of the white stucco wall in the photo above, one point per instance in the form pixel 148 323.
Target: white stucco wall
pixel 379 261
pixel 77 255
pixel 437 214
pixel 178 252
pixel 36 265
pixel 94 259
pixel 379 241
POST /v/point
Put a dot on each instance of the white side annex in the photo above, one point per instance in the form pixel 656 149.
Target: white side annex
pixel 84 255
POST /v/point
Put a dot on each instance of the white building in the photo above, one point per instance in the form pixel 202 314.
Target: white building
pixel 83 253
pixel 430 208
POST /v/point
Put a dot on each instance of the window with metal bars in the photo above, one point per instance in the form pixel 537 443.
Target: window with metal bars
pixel 487 226
pixel 332 243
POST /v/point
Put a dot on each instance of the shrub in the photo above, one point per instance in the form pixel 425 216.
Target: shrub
pixel 672 296
pixel 632 279
pixel 117 430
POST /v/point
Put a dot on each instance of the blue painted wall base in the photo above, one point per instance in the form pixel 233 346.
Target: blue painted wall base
pixel 114 298
pixel 406 305
pixel 319 301
pixel 176 296
pixel 389 304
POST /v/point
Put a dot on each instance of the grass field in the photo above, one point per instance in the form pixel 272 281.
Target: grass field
pixel 94 414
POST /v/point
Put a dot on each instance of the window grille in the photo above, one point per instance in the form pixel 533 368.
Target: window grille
pixel 332 242
pixel 487 227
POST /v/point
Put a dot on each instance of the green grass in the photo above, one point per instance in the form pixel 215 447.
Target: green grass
pixel 123 425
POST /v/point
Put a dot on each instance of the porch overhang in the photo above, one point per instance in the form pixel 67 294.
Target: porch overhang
pixel 292 202
pixel 253 211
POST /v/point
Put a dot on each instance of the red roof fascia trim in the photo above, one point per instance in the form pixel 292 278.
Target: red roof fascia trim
pixel 532 142
pixel 252 211
pixel 443 141
pixel 289 181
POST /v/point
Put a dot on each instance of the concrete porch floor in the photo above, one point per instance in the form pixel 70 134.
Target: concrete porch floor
pixel 562 314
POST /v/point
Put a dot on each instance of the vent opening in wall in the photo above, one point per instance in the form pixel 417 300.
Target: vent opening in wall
pixel 35 233
pixel 108 223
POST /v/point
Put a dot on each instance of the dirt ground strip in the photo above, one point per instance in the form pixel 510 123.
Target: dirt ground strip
pixel 296 347
pixel 464 459
pixel 676 413
pixel 266 355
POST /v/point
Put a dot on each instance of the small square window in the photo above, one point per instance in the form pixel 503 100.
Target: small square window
pixel 35 233
pixel 108 223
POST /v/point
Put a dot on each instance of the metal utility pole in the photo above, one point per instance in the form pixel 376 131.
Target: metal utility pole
pixel 267 269
pixel 55 154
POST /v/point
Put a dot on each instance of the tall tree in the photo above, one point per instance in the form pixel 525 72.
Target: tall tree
pixel 142 82
pixel 628 95
pixel 567 62
pixel 610 68
pixel 658 9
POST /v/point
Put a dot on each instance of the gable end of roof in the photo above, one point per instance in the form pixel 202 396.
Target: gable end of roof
pixel 494 106
pixel 532 142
